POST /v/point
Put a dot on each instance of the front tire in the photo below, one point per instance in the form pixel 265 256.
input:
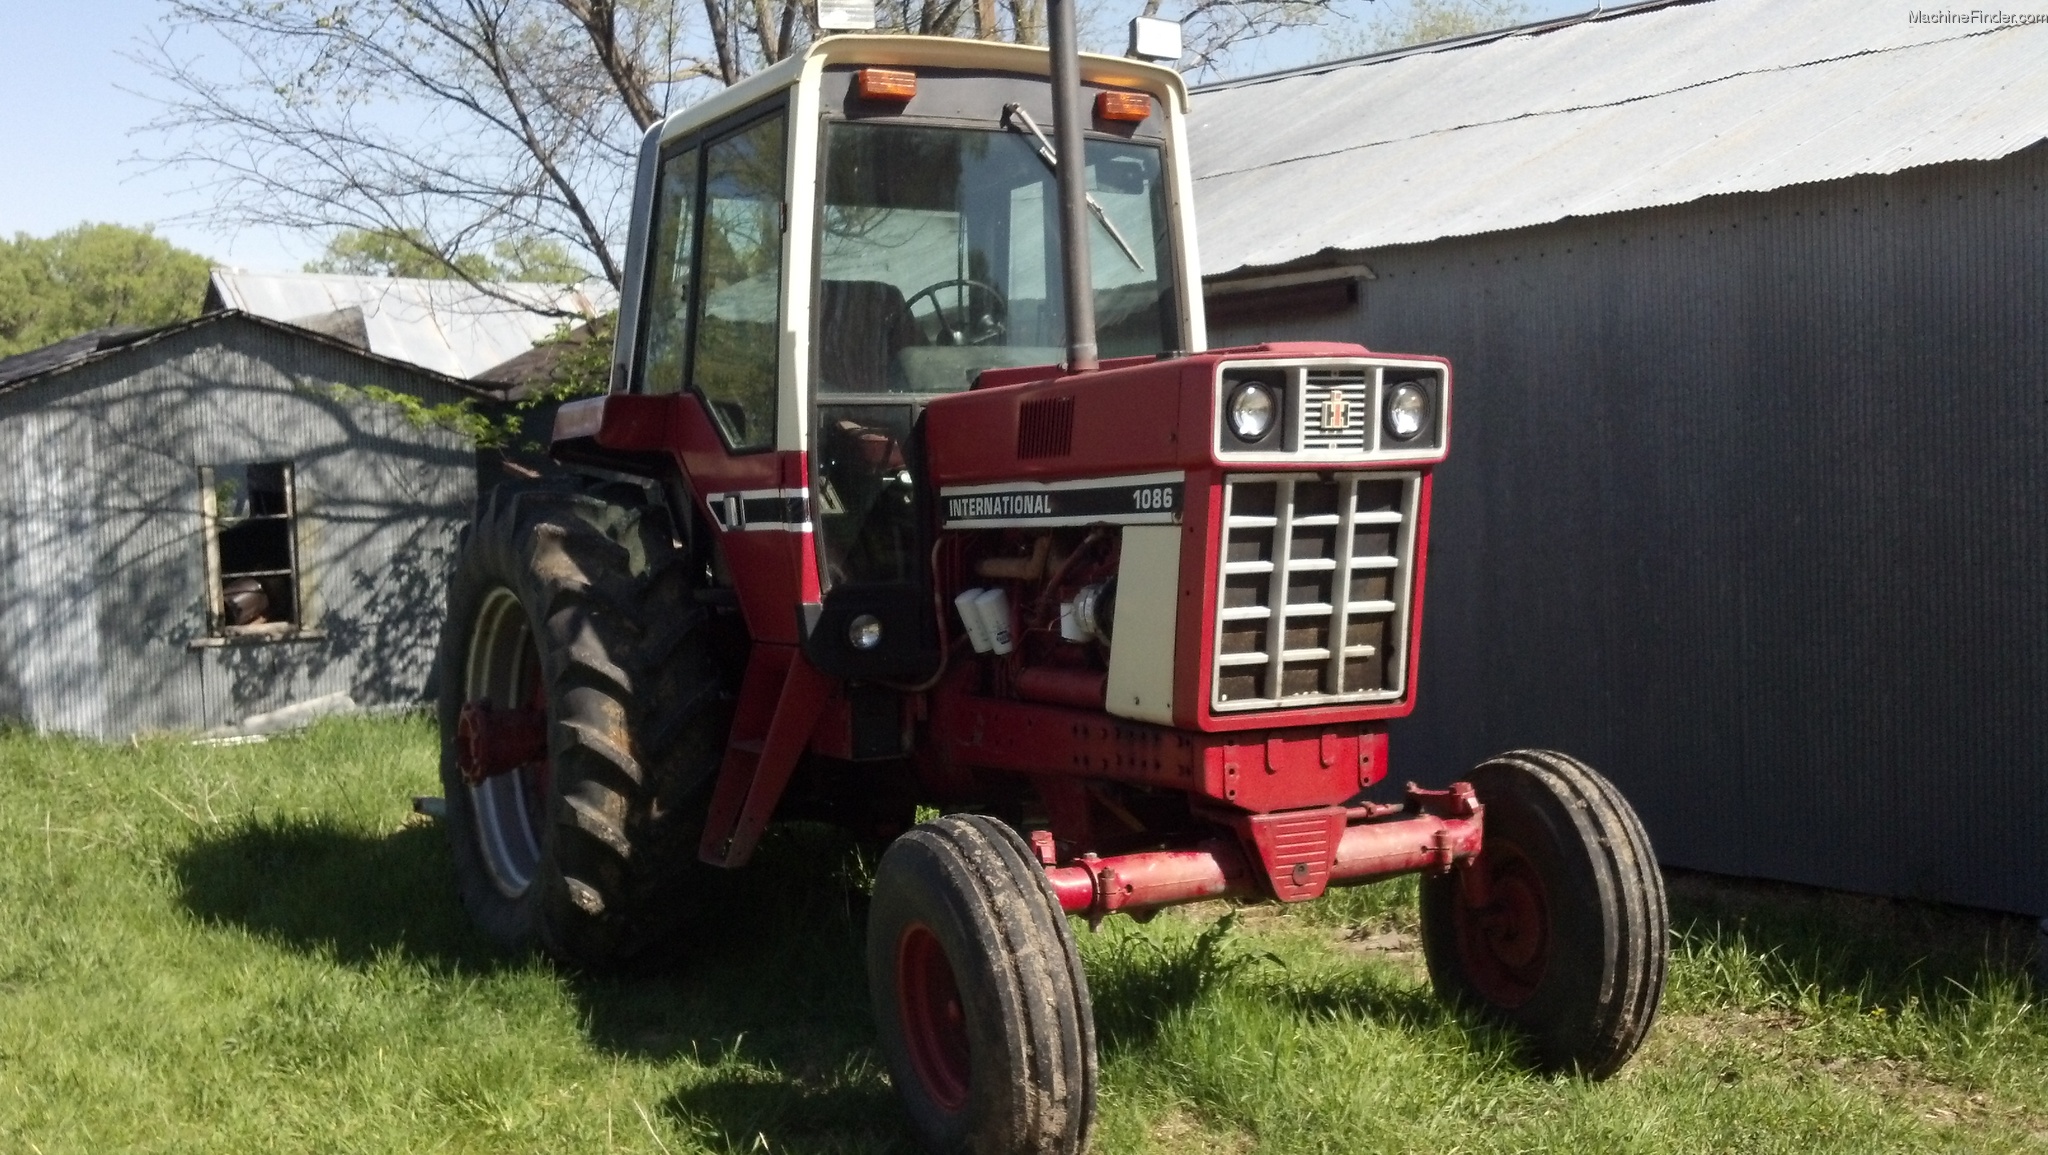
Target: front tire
pixel 980 1003
pixel 570 611
pixel 1569 946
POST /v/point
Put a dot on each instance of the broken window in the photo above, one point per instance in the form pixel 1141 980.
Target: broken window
pixel 252 554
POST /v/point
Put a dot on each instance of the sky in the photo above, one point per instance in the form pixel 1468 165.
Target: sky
pixel 78 111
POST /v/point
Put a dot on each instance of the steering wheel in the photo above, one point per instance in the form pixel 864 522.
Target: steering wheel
pixel 982 318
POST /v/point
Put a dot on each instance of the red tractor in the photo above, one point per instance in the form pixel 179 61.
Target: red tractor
pixel 917 488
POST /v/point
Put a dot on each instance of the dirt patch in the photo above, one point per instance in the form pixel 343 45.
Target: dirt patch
pixel 1767 1034
pixel 1398 947
pixel 1181 1130
pixel 1906 1086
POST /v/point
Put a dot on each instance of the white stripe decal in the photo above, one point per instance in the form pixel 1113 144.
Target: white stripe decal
pixel 757 510
pixel 1137 499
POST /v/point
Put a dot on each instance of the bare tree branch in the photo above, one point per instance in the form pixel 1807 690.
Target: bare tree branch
pixel 627 71
pixel 452 126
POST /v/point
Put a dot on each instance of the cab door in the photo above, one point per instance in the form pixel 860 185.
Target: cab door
pixel 712 332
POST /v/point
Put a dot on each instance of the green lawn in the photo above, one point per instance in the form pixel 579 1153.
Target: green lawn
pixel 256 948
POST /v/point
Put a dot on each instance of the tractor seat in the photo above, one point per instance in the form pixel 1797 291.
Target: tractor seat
pixel 861 325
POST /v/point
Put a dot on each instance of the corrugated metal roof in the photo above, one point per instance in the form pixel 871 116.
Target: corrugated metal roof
pixel 447 326
pixel 25 369
pixel 1660 104
pixel 69 351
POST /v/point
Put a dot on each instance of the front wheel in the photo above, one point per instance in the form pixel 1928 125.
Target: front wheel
pixel 1563 937
pixel 980 1003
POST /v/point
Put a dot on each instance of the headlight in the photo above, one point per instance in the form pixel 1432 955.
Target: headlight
pixel 1251 410
pixel 1407 411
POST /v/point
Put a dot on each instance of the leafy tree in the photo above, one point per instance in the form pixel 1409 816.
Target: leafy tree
pixel 581 368
pixel 91 277
pixel 1398 25
pixel 536 259
pixel 407 253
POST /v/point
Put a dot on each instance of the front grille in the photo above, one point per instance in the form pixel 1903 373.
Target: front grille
pixel 1314 591
pixel 1336 410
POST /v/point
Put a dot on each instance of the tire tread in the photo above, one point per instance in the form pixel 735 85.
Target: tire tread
pixel 595 566
pixel 996 891
pixel 1632 914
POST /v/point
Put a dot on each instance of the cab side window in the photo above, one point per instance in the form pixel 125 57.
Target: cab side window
pixel 670 254
pixel 737 332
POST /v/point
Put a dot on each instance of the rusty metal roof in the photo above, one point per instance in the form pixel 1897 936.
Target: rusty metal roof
pixel 1654 104
pixel 447 326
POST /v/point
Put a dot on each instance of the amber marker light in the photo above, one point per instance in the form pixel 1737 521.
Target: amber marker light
pixel 1125 106
pixel 885 84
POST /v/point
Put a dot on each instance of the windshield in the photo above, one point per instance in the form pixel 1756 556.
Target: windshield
pixel 940 256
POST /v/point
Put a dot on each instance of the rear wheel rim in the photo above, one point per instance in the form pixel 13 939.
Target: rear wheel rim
pixel 934 1018
pixel 504 670
pixel 1506 943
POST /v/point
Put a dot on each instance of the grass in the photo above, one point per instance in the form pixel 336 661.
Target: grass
pixel 256 948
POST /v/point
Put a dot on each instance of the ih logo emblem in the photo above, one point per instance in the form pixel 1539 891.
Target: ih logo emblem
pixel 1336 412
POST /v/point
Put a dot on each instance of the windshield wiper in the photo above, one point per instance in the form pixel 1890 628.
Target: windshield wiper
pixel 1052 161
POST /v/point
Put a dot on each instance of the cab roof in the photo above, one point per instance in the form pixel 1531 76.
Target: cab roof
pixel 899 51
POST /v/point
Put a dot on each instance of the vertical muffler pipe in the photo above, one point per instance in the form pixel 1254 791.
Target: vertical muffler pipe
pixel 1068 114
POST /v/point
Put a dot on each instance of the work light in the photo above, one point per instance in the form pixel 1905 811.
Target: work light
pixel 864 632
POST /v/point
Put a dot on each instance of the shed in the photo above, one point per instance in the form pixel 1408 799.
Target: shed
pixel 204 524
pixel 1747 302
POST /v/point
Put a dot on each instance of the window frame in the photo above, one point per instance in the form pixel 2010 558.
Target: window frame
pixel 701 140
pixel 643 324
pixel 218 631
pixel 1171 254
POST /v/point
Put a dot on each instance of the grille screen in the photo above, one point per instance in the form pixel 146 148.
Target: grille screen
pixel 1336 410
pixel 1312 600
pixel 1045 427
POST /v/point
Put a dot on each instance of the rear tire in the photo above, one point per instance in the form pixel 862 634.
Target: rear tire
pixel 980 1003
pixel 576 601
pixel 1570 949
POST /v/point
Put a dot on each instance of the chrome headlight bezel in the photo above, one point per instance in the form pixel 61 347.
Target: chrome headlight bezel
pixel 1242 410
pixel 1405 411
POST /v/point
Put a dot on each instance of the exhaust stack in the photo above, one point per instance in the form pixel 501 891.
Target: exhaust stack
pixel 1068 109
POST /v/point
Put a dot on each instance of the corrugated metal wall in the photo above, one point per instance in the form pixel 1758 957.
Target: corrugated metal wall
pixel 1748 505
pixel 104 588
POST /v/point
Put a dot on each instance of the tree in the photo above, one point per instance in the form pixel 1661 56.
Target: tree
pixel 91 277
pixel 411 255
pixel 449 128
pixel 1422 21
pixel 452 126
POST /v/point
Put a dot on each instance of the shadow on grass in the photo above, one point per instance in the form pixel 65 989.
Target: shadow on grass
pixel 745 1111
pixel 318 888
pixel 1141 983
pixel 1367 996
pixel 1882 952
pixel 769 996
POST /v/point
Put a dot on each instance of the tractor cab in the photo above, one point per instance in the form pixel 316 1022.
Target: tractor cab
pixel 833 244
